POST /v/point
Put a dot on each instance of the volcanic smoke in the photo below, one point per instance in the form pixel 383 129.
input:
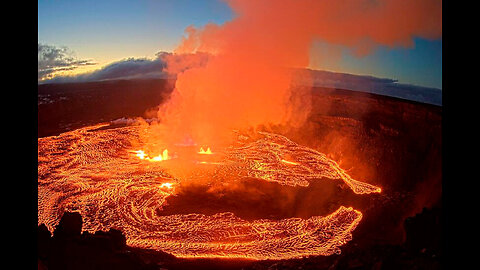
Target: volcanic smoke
pixel 246 81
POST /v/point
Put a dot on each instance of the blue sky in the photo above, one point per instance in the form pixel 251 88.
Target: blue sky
pixel 419 65
pixel 107 31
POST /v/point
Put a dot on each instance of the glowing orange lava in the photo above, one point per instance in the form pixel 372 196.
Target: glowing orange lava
pixel 203 152
pixel 289 162
pixel 167 185
pixel 97 173
pixel 141 154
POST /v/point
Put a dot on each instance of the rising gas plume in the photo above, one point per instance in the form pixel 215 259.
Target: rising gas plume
pixel 247 80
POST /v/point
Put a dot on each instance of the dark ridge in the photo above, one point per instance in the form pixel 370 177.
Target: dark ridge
pixel 68 248
pixel 386 98
pixel 68 106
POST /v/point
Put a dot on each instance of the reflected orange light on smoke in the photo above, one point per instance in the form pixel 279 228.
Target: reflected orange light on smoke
pixel 247 79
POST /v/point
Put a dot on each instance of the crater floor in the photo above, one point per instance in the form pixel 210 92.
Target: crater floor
pixel 95 171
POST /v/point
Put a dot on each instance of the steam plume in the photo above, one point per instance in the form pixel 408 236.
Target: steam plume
pixel 247 81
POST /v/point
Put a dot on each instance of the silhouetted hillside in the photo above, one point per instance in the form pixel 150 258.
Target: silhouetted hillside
pixel 68 106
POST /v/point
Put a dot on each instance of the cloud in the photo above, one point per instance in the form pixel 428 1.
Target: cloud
pixel 124 69
pixel 52 59
pixel 139 68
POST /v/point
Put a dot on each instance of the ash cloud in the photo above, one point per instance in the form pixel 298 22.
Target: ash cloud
pixel 52 59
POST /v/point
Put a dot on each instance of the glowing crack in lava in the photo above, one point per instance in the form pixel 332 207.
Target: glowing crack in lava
pixel 98 172
pixel 141 154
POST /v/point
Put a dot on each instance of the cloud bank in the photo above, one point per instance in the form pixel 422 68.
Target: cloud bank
pixel 130 68
pixel 138 68
pixel 52 59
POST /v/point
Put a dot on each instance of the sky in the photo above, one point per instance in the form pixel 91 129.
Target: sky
pixel 106 31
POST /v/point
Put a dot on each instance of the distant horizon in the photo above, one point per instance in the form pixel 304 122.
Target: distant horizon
pixel 66 79
pixel 328 79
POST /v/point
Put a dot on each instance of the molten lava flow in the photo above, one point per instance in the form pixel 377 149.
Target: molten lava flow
pixel 163 156
pixel 141 154
pixel 203 152
pixel 96 172
pixel 167 185
pixel 289 162
pixel 224 235
pixel 264 158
